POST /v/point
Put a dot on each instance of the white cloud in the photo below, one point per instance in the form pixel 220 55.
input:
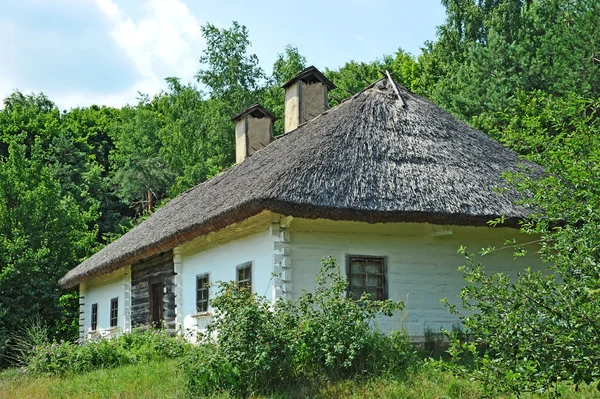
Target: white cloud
pixel 159 38
pixel 165 41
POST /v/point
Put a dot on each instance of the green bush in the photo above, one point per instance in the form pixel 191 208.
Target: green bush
pixel 86 355
pixel 253 346
pixel 541 328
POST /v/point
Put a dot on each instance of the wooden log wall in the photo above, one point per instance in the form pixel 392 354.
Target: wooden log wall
pixel 159 268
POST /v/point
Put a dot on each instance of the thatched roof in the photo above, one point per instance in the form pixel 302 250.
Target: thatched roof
pixel 368 159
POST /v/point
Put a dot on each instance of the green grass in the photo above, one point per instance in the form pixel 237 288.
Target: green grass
pixel 162 379
pixel 159 379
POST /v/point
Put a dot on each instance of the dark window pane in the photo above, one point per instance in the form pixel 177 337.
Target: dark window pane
pixel 202 293
pixel 94 316
pixel 244 275
pixel 373 267
pixel 357 280
pixel 374 281
pixel 114 312
pixel 367 275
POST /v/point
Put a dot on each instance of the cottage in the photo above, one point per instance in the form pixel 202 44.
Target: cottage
pixel 386 182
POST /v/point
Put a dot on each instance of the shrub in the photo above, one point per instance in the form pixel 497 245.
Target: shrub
pixel 541 328
pixel 250 352
pixel 20 344
pixel 332 333
pixel 253 346
pixel 86 355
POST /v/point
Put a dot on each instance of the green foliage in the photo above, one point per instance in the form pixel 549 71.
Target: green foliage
pixel 141 174
pixel 87 355
pixel 487 52
pixel 255 346
pixel 230 69
pixel 542 327
pixel 42 235
pixel 32 333
pixel 27 118
pixel 353 77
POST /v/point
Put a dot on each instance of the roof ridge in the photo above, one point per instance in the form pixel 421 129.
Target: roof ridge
pixel 344 101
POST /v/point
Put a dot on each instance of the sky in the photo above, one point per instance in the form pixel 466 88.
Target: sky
pixel 84 52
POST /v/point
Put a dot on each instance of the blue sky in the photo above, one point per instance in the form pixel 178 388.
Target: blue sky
pixel 81 52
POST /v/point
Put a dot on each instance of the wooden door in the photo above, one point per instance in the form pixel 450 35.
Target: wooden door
pixel 156 304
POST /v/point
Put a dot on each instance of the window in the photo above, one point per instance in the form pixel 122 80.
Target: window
pixel 114 312
pixel 244 275
pixel 202 293
pixel 367 274
pixel 94 316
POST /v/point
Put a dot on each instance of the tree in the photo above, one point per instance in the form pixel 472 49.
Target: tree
pixel 186 144
pixel 542 327
pixel 354 76
pixel 79 158
pixel 141 175
pixel 42 236
pixel 230 71
pixel 27 118
pixel 234 80
pixel 490 51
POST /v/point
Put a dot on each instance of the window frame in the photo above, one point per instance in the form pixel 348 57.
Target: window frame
pixel 94 317
pixel 238 268
pixel 198 288
pixel 384 262
pixel 114 307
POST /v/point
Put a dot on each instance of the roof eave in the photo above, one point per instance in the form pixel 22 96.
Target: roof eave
pixel 297 210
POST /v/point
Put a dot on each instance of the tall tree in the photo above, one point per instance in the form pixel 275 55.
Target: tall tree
pixel 542 327
pixel 234 81
pixel 141 175
pixel 42 235
pixel 27 118
pixel 489 51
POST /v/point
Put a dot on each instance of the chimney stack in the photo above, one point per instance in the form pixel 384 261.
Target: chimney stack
pixel 305 97
pixel 253 131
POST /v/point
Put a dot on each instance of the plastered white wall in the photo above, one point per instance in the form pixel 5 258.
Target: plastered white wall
pixel 221 264
pixel 422 262
pixel 101 291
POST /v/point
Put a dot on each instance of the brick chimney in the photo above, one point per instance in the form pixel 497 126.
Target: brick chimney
pixel 253 131
pixel 306 96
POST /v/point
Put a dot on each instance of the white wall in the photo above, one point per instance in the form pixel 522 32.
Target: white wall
pixel 422 262
pixel 220 263
pixel 101 291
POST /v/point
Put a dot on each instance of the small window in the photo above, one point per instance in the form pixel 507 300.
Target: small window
pixel 244 275
pixel 114 312
pixel 202 293
pixel 367 274
pixel 94 316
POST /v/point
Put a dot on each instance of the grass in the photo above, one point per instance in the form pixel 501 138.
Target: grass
pixel 162 379
pixel 158 379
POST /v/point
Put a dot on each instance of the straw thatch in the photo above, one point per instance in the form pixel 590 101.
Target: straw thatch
pixel 369 159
